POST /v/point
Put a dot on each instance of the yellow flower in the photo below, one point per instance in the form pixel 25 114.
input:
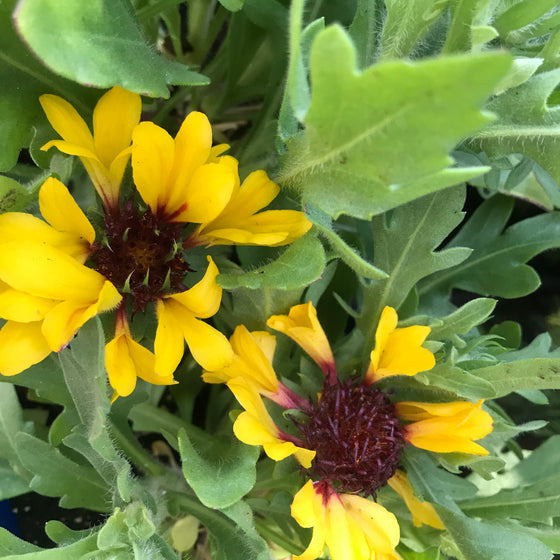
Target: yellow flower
pixel 423 513
pixel 446 427
pixel 125 360
pixel 252 361
pixel 46 293
pixel 353 527
pixel 398 351
pixel 241 223
pixel 178 322
pixel 106 152
pixel 302 326
pixel 254 426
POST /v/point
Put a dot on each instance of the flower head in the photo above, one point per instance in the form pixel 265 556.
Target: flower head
pixel 104 153
pixel 143 251
pixel 353 434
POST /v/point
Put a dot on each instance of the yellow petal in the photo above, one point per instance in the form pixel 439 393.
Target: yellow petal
pixel 387 324
pixel 169 344
pixel 446 427
pixel 338 533
pixel 66 121
pixel 153 152
pixel 231 236
pixel 208 346
pixel 114 117
pixel 42 270
pixel 302 326
pixel 208 193
pixel 21 307
pixel 62 322
pixel 61 211
pixel 203 299
pixel 403 353
pixel 398 351
pixel 71 149
pixel 120 366
pixel 380 526
pixel 423 513
pixel 18 226
pixel 21 346
pixel 256 192
pixel 192 149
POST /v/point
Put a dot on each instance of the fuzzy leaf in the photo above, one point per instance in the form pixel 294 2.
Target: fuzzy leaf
pixel 299 265
pixel 479 540
pixel 541 373
pixel 377 139
pixel 233 466
pixel 497 264
pixel 405 243
pixel 526 123
pixel 538 502
pixel 56 475
pixel 13 197
pixel 99 44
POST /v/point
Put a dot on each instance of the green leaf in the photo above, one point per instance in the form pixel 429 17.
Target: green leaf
pixel 349 255
pixel 232 5
pixel 467 317
pixel 478 540
pixel 537 502
pixel 230 462
pixel 458 381
pixel 11 423
pixel 366 30
pixel 10 544
pixel 521 14
pixel 233 538
pixel 543 373
pixel 392 147
pixel 98 44
pixel 13 197
pixel 407 22
pixel 497 263
pixel 56 475
pixel 406 240
pixel 11 484
pixel 541 463
pixel 300 264
pixel 526 123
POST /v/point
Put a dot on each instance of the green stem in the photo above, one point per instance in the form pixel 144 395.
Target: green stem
pixel 277 537
pixel 137 454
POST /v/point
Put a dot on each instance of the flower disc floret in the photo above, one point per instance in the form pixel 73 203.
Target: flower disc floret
pixel 356 435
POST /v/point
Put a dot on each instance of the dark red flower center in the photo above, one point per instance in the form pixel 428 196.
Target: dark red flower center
pixel 357 436
pixel 141 255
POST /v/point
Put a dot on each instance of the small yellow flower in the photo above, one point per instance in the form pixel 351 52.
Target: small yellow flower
pixel 398 351
pixel 104 153
pixel 446 427
pixel 354 528
pixel 302 326
pixel 423 513
pixel 241 223
pixel 46 293
pixel 126 360
pixel 254 426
